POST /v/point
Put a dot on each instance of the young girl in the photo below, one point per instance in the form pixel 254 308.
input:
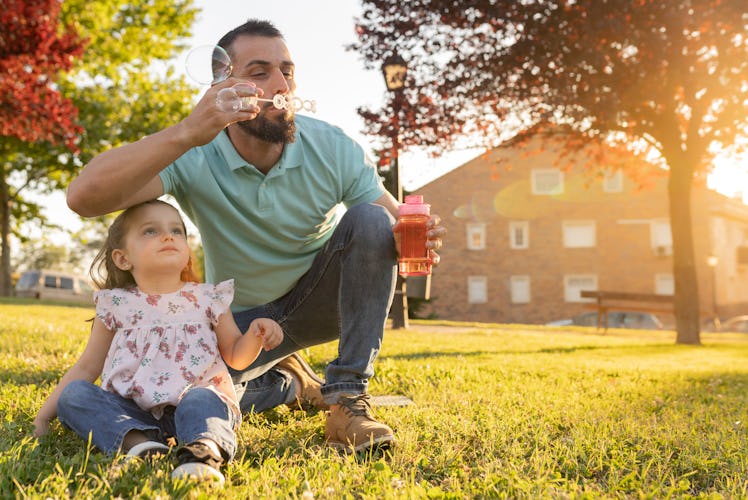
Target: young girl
pixel 157 341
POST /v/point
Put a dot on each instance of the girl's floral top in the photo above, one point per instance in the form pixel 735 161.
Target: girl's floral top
pixel 164 344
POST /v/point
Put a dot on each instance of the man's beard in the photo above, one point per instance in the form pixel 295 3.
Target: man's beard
pixel 275 132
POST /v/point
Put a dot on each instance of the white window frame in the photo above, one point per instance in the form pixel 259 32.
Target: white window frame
pixel 613 182
pixel 477 288
pixel 661 233
pixel 572 290
pixel 472 229
pixel 661 237
pixel 664 284
pixel 520 290
pixel 580 225
pixel 524 227
pixel 539 185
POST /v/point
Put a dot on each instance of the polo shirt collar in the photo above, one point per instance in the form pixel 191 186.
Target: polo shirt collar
pixel 292 156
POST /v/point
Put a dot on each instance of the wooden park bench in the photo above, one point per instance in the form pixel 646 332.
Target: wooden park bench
pixel 625 301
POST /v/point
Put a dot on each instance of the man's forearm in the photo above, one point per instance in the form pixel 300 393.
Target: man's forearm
pixel 126 175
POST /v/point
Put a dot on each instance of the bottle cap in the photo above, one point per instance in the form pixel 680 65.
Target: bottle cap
pixel 414 205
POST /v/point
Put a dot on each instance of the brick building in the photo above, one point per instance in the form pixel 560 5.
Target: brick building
pixel 525 238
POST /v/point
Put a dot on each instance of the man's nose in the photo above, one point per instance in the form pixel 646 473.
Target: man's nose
pixel 279 83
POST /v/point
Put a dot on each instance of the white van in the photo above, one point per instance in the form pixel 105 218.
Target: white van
pixel 57 286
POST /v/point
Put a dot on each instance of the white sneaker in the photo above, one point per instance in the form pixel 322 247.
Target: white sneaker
pixel 147 449
pixel 198 462
pixel 198 471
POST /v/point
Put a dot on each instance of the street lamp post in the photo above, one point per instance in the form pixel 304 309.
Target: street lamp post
pixel 395 70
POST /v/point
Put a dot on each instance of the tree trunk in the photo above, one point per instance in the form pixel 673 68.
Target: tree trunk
pixel 5 242
pixel 686 300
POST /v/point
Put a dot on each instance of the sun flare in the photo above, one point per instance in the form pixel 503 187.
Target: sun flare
pixel 730 177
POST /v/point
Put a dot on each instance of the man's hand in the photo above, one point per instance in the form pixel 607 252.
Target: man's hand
pixel 207 119
pixel 434 236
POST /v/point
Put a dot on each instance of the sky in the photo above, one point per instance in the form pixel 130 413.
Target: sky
pixel 316 33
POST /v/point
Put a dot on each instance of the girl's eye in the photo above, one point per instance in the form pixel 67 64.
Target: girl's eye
pixel 177 231
pixel 150 231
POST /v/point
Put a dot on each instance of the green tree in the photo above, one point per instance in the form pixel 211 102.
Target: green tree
pixel 122 87
pixel 671 75
pixel 41 253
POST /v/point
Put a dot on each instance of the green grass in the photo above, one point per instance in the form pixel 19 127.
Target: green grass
pixel 500 411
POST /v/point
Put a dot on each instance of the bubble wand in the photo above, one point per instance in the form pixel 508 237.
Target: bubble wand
pixel 229 100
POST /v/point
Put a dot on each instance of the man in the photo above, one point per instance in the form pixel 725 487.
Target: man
pixel 262 185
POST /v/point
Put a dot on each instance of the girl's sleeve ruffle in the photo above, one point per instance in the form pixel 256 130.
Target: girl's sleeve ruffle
pixel 222 296
pixel 104 300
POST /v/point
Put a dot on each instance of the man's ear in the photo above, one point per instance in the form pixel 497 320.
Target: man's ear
pixel 119 257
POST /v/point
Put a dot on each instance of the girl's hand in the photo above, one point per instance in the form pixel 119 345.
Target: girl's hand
pixel 268 331
pixel 41 427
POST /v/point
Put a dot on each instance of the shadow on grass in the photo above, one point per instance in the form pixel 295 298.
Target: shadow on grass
pixel 19 376
pixel 516 352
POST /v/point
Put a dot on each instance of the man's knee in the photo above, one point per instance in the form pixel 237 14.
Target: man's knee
pixel 370 214
pixel 371 226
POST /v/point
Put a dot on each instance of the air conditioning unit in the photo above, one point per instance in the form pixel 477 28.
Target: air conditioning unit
pixel 663 250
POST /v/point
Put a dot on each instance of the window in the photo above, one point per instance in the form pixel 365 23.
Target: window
pixel 664 284
pixel 575 283
pixel 66 283
pixel 579 234
pixel 660 233
pixel 476 236
pixel 28 280
pixel 613 182
pixel 519 234
pixel 50 282
pixel 547 181
pixel 519 289
pixel 477 290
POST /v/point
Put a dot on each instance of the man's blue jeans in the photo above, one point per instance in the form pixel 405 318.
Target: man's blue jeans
pixel 346 296
pixel 86 409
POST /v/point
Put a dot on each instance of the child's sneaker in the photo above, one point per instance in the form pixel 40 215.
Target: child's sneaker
pixel 197 461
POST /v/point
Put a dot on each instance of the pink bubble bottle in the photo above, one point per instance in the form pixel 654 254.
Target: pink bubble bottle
pixel 414 256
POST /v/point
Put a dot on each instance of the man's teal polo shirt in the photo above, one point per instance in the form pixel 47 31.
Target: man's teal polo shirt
pixel 265 230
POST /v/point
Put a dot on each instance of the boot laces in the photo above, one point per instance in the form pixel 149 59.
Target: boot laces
pixel 357 405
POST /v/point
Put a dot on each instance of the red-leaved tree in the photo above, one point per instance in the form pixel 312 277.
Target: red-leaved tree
pixel 33 51
pixel 670 75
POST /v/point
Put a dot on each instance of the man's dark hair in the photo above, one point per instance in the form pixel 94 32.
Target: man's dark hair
pixel 253 27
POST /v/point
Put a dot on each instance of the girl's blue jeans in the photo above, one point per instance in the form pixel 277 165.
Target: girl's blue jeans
pixel 345 296
pixel 87 409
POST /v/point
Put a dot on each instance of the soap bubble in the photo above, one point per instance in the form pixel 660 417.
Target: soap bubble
pixel 208 64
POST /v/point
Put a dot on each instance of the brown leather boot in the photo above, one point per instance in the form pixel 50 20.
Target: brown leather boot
pixel 308 384
pixel 351 428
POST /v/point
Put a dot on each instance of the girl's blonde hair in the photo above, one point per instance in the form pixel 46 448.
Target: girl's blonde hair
pixel 105 274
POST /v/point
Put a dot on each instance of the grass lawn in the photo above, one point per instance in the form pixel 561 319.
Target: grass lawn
pixel 501 411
